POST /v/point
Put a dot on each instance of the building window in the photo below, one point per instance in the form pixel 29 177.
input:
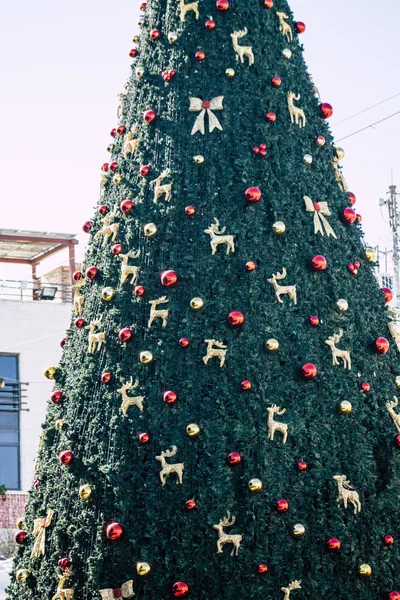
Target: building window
pixel 10 404
pixel 387 281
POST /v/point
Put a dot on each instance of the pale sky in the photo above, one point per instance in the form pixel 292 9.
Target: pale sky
pixel 63 64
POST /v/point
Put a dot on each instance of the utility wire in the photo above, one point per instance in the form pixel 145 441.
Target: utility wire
pixel 368 126
pixel 366 110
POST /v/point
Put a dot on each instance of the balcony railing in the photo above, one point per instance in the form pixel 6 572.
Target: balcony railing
pixel 39 291
pixel 12 397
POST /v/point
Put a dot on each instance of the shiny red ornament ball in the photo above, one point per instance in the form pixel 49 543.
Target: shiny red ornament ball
pixel 144 438
pixel 320 141
pixel 143 6
pixel 282 505
pixel 357 264
pixel 168 74
pixel 276 82
pixel 309 371
pixel 149 116
pixel 133 53
pixel 236 318
pixel 381 345
pixel 250 266
pixel 170 397
pixel 63 563
pixel 113 133
pixel 190 504
pixel 253 194
pixel 348 216
pixel 169 278
pixel 106 377
pixel 352 198
pixel 388 294
pixel 66 457
pixel 144 170
pixel 333 544
pixel 396 441
pixel 57 397
pixel 139 291
pixel 117 249
pixel 77 275
pixel 262 569
pixel 210 24
pixel 125 335
pixel 121 129
pixel 366 387
pixel 79 323
pixel 319 263
pixel 92 273
pixel 233 458
pixel 325 110
pixel 20 537
pixel 271 117
pixel 114 531
pixel 113 166
pixel 359 218
pixel 106 166
pixel 87 226
pixel 200 55
pixel 314 320
pixel 394 596
pixel 190 211
pixel 180 588
pixel 256 150
pixel 388 540
pixel 102 210
pixel 155 34
pixel 222 4
pixel 126 206
pixel 299 27
pixel 63 341
pixel 351 267
pixel 302 466
pixel 184 342
pixel 246 385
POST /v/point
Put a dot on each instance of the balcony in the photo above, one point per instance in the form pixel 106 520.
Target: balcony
pixel 35 291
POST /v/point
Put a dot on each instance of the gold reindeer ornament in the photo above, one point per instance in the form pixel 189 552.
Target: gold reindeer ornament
pixel 128 270
pixel 225 538
pixel 161 189
pixel 169 468
pixel 346 493
pixel 395 416
pixel 242 51
pixel 282 290
pixel 215 349
pixel 294 585
pixel 337 354
pixel 217 238
pixel 79 299
pixel 156 313
pixel 273 425
pixel 95 339
pixel 339 175
pixel 63 593
pixel 128 401
pixel 108 229
pixel 297 114
pixel 191 6
pixel 285 28
pixel 131 143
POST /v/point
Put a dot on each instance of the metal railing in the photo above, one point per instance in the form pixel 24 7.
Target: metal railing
pixel 29 291
pixel 12 397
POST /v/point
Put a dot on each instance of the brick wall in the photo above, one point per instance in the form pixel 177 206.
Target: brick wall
pixel 11 509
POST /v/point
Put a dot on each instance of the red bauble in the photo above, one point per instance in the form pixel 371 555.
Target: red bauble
pixel 57 397
pixel 170 397
pixel 168 75
pixel 271 117
pixel 302 465
pixel 114 531
pixel 299 27
pixel 149 116
pixel 246 385
pixel 352 198
pixel 388 540
pixel 117 249
pixel 190 211
pixel 200 55
pixel 79 323
pixel 66 457
pixel 282 505
pixel 190 504
pixel 314 320
pixel 210 24
pixel 319 263
pixel 381 345
pixel 276 82
pixel 126 206
pixel 102 210
pixel 20 537
pixel 256 150
pixel 309 371
pixel 133 53
pixel 351 267
pixel 114 166
pixel 357 264
pixel 394 596
pixel 139 291
pixel 121 129
pixel 87 226
pixel 144 170
pixel 106 377
pixel 222 4
pixel 235 318
pixel 320 141
pixel 388 294
pixel 169 278
pixel 125 335
pixel 143 6
pixel 92 273
pixel 63 341
pixel 144 438
pixel 77 275
pixel 333 544
pixel 262 569
pixel 155 34
pixel 184 342
pixel 113 133
pixel 348 216
pixel 180 588
pixel 63 563
pixel 250 266
pixel 359 218
pixel 234 458
pixel 253 194
pixel 325 110
pixel 366 387
pixel 105 166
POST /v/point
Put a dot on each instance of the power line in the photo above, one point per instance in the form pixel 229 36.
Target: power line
pixel 368 126
pixel 366 110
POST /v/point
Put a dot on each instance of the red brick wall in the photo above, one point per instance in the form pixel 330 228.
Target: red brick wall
pixel 11 509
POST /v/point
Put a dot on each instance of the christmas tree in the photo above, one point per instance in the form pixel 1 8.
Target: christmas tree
pixel 223 422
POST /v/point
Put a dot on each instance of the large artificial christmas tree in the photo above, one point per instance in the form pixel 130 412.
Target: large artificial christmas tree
pixel 224 416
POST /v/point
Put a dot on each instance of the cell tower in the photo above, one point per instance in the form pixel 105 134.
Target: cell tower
pixel 391 201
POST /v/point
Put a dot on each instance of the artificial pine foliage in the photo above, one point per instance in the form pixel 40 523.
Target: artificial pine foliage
pixel 192 369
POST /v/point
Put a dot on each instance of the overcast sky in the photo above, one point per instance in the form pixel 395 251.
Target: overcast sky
pixel 63 64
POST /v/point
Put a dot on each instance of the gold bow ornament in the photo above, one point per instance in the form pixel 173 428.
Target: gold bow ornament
pixel 39 530
pixel 320 210
pixel 203 107
pixel 125 591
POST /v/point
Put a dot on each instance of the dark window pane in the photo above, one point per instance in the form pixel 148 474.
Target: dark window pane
pixel 9 467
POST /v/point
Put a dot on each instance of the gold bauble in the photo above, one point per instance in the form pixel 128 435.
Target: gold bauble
pixel 299 529
pixel 193 429
pixel 117 179
pixel 340 154
pixel 199 159
pixel 230 72
pixel 139 71
pixel 22 575
pixel 279 227
pixel 150 229
pixel 255 485
pixel 197 303
pixel 286 53
pixel 370 254
pixel 103 180
pixel 50 372
pixel 345 407
pixel 59 424
pixel 172 37
pixel 110 148
pixel 107 294
pixel 143 568
pixel 20 523
pixel 397 381
pixel 365 570
pixel 85 491
pixel 135 40
pixel 342 305
pixel 308 159
pixel 146 357
pixel 272 345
